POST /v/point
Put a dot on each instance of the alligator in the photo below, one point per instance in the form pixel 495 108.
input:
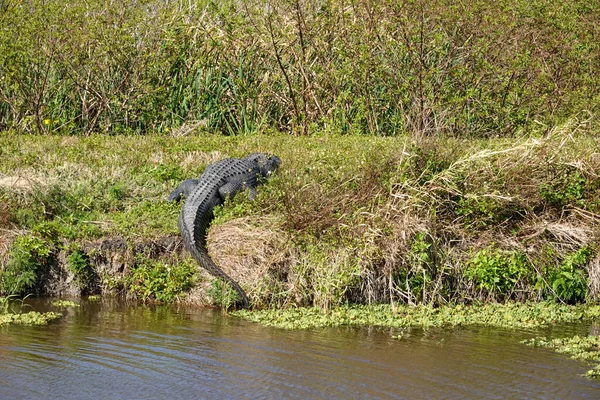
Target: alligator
pixel 219 181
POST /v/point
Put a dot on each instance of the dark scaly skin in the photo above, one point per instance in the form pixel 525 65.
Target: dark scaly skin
pixel 185 188
pixel 220 180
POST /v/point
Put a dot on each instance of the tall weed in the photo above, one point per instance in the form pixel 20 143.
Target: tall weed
pixel 368 66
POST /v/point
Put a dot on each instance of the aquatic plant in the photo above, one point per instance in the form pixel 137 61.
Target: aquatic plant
pixel 579 348
pixel 30 318
pixel 11 312
pixel 65 303
pixel 509 315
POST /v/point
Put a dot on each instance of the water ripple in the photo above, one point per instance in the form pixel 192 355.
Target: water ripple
pixel 194 354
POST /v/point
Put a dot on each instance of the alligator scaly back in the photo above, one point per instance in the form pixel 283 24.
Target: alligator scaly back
pixel 220 180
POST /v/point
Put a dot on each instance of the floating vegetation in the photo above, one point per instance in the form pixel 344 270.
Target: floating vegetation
pixel 578 348
pixel 64 303
pixel 30 318
pixel 94 297
pixel 509 315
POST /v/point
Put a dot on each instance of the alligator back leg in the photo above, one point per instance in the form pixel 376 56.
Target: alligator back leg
pixel 185 188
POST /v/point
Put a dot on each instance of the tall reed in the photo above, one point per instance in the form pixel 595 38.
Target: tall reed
pixel 346 66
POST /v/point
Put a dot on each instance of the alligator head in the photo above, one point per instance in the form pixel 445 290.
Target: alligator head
pixel 267 164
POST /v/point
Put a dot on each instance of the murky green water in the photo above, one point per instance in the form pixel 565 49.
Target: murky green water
pixel 110 351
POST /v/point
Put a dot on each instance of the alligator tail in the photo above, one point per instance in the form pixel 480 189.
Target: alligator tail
pixel 200 254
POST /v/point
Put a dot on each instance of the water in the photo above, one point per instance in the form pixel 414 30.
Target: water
pixel 113 351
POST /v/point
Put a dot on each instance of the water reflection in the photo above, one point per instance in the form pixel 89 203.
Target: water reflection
pixel 113 350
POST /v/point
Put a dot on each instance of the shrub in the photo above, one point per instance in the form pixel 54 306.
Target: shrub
pixel 498 272
pixel 567 186
pixel 27 257
pixel 222 294
pixel 569 281
pixel 415 278
pixel 157 281
pixel 78 264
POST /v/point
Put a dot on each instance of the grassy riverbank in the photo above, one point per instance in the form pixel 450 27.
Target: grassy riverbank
pixel 347 219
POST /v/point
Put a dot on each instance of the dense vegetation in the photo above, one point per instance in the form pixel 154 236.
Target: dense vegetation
pixel 488 189
pixel 477 69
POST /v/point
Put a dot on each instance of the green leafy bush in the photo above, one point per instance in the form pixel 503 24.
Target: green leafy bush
pixel 567 188
pixel 481 212
pixel 497 272
pixel 222 294
pixel 569 281
pixel 27 257
pixel 78 264
pixel 157 281
pixel 416 278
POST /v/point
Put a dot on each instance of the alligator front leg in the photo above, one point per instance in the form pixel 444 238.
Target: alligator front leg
pixel 230 189
pixel 185 188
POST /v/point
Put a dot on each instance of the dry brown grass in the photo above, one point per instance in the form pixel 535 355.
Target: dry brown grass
pixel 7 237
pixel 249 248
pixel 593 271
pixel 195 158
pixel 24 181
